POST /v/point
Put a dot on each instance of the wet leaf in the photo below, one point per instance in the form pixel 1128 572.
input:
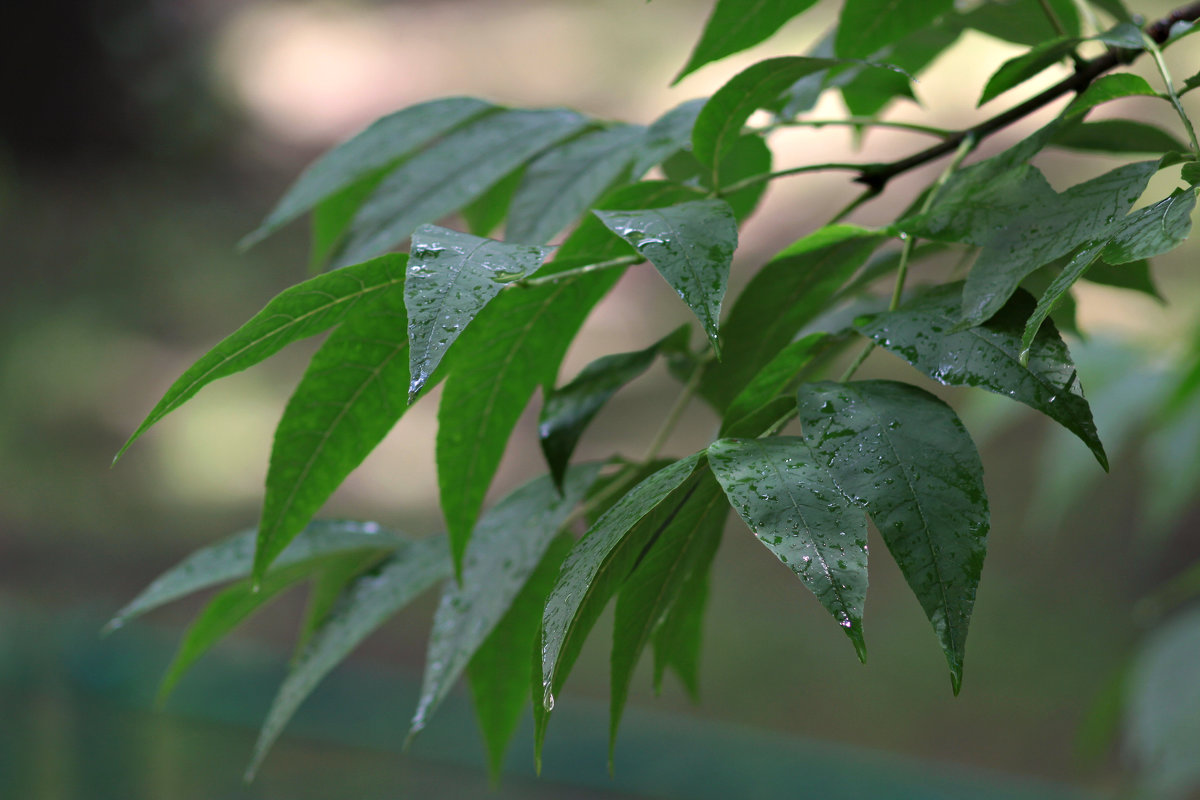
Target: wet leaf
pixel 506 547
pixel 381 145
pixel 369 602
pixel 485 213
pixel 233 559
pixel 773 379
pixel 1057 290
pixel 1017 70
pixel 594 570
pixel 923 333
pixel 905 455
pixel 351 395
pixel 515 345
pixel 788 498
pixel 868 25
pixel 451 173
pixel 451 277
pixel 749 156
pixel 733 27
pixel 304 310
pixel 691 245
pixel 563 183
pixel 686 543
pixel 569 409
pixel 1153 230
pixel 331 217
pixel 782 297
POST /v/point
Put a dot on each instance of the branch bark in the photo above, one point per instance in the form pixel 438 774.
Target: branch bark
pixel 876 176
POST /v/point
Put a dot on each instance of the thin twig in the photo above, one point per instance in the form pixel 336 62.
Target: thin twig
pixel 1165 73
pixel 783 173
pixel 619 261
pixel 864 122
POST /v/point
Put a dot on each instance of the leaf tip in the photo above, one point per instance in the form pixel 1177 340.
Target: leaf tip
pixel 250 239
pixel 860 644
pixel 956 680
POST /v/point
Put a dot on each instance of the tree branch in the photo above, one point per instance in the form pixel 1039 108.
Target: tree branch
pixel 876 176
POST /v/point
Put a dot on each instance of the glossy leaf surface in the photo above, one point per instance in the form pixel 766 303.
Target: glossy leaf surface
pixel 450 174
pixel 1153 230
pixel 865 26
pixel 1110 87
pixel 351 395
pixel 563 183
pixel 382 143
pixel 791 502
pixel 368 603
pixel 691 245
pixel 304 310
pixel 451 277
pixel 906 456
pixel 1057 290
pixel 506 546
pixel 514 346
pixel 923 333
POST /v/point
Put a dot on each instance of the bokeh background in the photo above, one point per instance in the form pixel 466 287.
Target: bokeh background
pixel 140 139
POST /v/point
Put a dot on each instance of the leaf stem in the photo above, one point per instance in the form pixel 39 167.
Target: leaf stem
pixel 862 122
pixel 1052 17
pixel 673 416
pixel 783 173
pixel 566 274
pixel 1154 50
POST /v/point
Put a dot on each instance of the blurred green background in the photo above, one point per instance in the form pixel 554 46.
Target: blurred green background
pixel 140 139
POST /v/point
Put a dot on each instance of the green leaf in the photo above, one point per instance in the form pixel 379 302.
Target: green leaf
pixel 668 134
pixel 905 455
pixel 1020 22
pixel 868 90
pixel 868 25
pixel 564 182
pixel 569 409
pixel 232 559
pixel 349 398
pixel 499 670
pixel 331 217
pixel 1058 288
pixel 761 419
pixel 1123 34
pixel 1134 275
pixel 782 297
pixel 367 604
pixel 1110 87
pixel 689 539
pixel 305 309
pixel 1046 229
pixel 515 345
pixel 451 173
pixel 381 145
pixel 733 26
pixel 506 547
pixel 1153 230
pixel 691 245
pixel 750 156
pixel 923 333
pixel 1117 136
pixel 974 209
pixel 773 379
pixel 789 499
pixel 328 582
pixel 595 569
pixel 451 277
pixel 1017 70
pixel 720 122
pixel 485 213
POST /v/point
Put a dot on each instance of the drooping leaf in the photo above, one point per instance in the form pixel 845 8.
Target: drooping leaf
pixel 1021 21
pixel 451 277
pixel 867 91
pixel 368 603
pixel 1021 68
pixel 305 309
pixel 451 173
pixel 720 122
pixel 1134 275
pixel 506 547
pixel 790 501
pixel 331 217
pixel 564 182
pixel 383 143
pixel 772 380
pixel 485 213
pixel 514 346
pixel 691 245
pixel 905 455
pixel 568 409
pixel 1044 231
pixel 1117 136
pixel 922 332
pixel 781 298
pixel 733 26
pixel 499 670
pixel 330 579
pixel 667 135
pixel 594 570
pixel 749 156
pixel 1110 87
pixel 1153 230
pixel 351 395
pixel 688 540
pixel 1057 290
pixel 232 559
pixel 868 25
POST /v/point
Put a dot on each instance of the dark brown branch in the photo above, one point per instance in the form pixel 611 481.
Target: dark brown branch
pixel 876 176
